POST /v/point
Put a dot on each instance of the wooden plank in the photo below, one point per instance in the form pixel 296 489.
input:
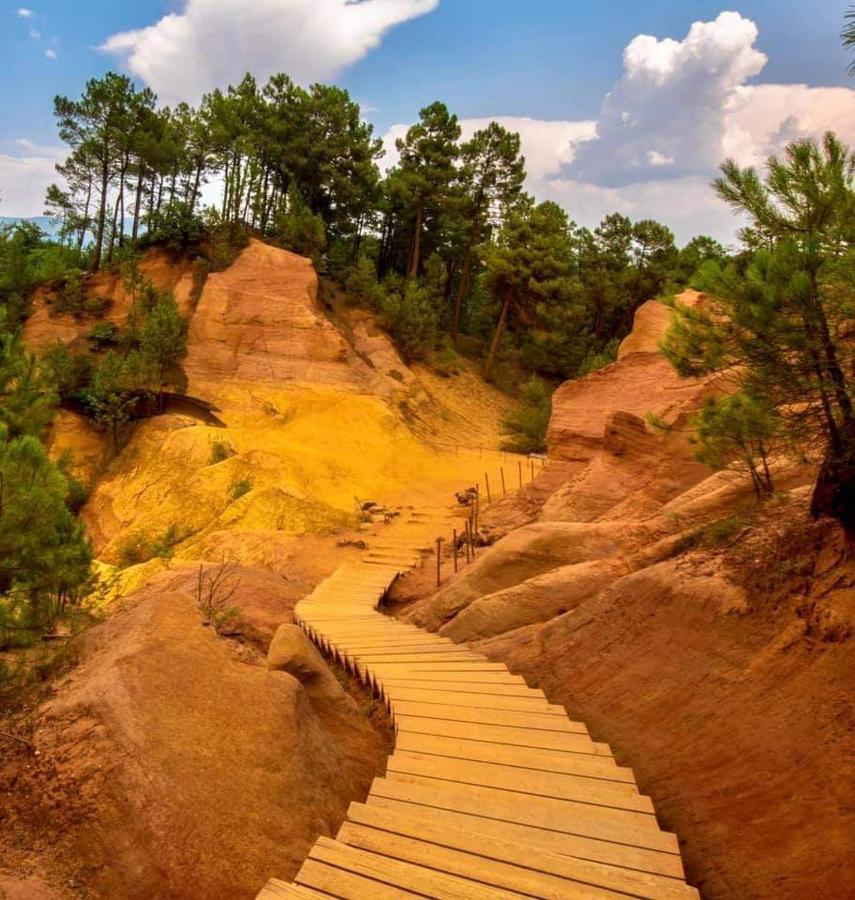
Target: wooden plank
pixel 281 890
pixel 479 715
pixel 462 698
pixel 588 765
pixel 532 738
pixel 405 658
pixel 466 836
pixel 404 875
pixel 478 677
pixel 571 845
pixel 497 874
pixel 483 689
pixel 347 885
pixel 602 823
pixel 563 786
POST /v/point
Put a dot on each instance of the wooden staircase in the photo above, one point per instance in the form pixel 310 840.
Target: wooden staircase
pixel 491 791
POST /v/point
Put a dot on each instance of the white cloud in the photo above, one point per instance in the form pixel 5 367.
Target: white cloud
pixel 25 174
pixel 50 53
pixel 24 13
pixel 666 114
pixel 678 110
pixel 212 43
pixel 35 34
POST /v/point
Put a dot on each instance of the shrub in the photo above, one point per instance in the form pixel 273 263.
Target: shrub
pixel 595 361
pixel 241 487
pixel 220 451
pixel 525 426
pixel 411 319
pixel 361 284
pixel 446 360
pixel 163 546
pixel 103 335
pixel 133 549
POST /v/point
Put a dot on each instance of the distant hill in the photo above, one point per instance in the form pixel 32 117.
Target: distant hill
pixel 49 227
pixel 46 225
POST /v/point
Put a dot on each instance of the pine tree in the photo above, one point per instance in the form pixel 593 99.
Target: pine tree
pixel 782 325
pixel 531 262
pixel 492 176
pixel 423 178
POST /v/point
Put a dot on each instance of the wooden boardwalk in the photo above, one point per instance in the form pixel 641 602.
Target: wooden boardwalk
pixel 491 791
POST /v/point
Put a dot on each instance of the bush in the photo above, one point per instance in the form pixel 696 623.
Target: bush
pixel 139 548
pixel 300 230
pixel 361 284
pixel 220 451
pixel 134 549
pixel 69 372
pixel 446 360
pixel 163 546
pixel 103 336
pixel 593 362
pixel 411 319
pixel 241 487
pixel 526 426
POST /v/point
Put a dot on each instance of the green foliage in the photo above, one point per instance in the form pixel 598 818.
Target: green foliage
pixel 44 557
pixel 408 313
pixel 27 394
pixel 241 487
pixel 781 324
pixel 109 394
pixel 739 430
pixel 163 545
pixel 220 451
pixel 163 340
pixel 361 283
pixel 525 426
pixel 300 229
pixel 103 336
pixel 593 362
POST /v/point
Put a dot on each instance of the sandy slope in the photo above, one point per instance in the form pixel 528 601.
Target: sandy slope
pixel 172 763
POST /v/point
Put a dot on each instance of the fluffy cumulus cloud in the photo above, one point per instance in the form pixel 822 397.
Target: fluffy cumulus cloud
pixel 666 115
pixel 678 109
pixel 215 42
pixel 26 170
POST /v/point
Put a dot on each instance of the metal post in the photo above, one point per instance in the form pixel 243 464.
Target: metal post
pixel 519 466
pixel 502 473
pixel 477 506
pixel 454 539
pixel 487 483
pixel 438 561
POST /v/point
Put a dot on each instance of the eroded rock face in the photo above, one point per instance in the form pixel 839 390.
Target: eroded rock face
pixel 259 321
pixel 616 498
pixel 166 271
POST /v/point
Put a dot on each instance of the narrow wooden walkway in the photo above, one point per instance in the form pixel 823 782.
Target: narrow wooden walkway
pixel 491 791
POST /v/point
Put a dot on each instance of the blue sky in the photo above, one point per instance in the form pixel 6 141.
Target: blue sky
pixel 546 60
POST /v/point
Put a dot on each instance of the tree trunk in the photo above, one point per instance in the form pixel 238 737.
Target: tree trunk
pixel 102 214
pixel 81 236
pixel 195 193
pixel 417 244
pixel 497 337
pixel 137 203
pixel 834 491
pixel 461 292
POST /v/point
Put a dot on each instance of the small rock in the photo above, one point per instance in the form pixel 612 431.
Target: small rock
pixel 291 651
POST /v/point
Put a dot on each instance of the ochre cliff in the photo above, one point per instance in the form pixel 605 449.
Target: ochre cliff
pixel 704 635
